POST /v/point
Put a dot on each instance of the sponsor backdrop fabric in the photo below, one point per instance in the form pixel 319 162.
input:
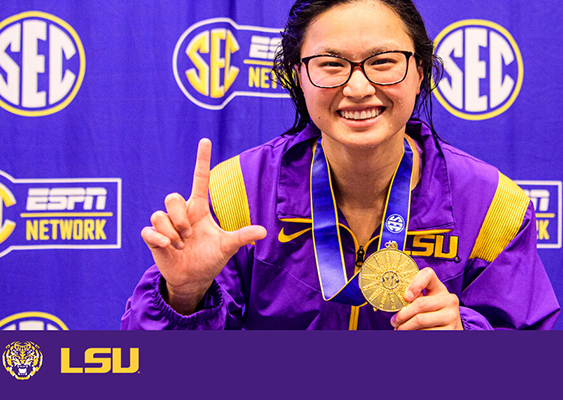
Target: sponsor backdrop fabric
pixel 102 104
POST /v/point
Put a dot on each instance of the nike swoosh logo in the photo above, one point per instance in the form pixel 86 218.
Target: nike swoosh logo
pixel 283 238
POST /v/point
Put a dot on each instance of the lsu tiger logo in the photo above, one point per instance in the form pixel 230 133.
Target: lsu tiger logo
pixel 22 361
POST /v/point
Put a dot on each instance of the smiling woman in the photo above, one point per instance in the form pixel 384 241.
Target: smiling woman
pixel 371 207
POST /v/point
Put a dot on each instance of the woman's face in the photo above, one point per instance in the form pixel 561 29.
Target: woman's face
pixel 356 31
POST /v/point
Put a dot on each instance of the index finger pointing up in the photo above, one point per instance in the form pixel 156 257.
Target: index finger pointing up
pixel 201 172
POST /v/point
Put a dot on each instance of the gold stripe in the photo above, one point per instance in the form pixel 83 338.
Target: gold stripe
pixel 503 220
pixel 355 313
pixel 415 176
pixel 297 220
pixel 353 326
pixel 429 232
pixel 228 195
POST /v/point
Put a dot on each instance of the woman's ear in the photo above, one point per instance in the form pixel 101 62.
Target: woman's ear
pixel 298 75
pixel 420 78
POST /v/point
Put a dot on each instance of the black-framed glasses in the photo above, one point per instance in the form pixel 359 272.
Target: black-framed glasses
pixel 385 68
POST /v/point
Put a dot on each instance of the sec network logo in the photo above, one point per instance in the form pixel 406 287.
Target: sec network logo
pixel 216 60
pixel 59 213
pixel 484 69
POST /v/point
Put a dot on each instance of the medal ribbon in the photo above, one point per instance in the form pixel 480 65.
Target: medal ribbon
pixel 326 234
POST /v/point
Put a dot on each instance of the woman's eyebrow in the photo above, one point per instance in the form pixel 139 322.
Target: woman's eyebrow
pixel 369 52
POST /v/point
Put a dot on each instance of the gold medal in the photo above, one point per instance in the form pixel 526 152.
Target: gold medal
pixel 385 277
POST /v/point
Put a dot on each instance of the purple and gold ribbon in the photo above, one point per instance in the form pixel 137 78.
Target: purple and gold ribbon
pixel 335 286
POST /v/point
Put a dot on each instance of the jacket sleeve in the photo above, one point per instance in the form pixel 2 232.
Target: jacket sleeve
pixel 221 308
pixel 147 310
pixel 513 290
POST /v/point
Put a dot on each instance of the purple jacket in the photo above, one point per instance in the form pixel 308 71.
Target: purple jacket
pixel 468 222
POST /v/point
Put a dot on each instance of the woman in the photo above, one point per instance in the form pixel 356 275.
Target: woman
pixel 356 70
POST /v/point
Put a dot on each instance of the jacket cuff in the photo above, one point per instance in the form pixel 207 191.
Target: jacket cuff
pixel 473 321
pixel 207 312
pixel 147 310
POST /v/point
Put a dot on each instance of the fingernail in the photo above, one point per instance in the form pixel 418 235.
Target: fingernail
pixel 394 320
pixel 409 295
pixel 180 245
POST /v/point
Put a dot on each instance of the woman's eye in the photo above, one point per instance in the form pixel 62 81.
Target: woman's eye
pixel 382 61
pixel 332 64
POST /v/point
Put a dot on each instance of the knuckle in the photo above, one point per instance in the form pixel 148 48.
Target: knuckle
pixel 453 300
pixel 419 319
pixel 420 304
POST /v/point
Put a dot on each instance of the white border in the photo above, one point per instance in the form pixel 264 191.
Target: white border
pixel 70 246
pixel 559 185
pixel 235 93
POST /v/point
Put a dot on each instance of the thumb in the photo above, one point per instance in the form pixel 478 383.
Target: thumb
pixel 244 236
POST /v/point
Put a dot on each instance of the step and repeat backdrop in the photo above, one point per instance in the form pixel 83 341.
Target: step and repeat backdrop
pixel 102 104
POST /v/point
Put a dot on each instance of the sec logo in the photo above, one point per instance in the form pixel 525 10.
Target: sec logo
pixel 42 64
pixel 483 69
pixel 395 223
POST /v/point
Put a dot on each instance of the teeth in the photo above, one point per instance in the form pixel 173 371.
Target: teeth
pixel 356 115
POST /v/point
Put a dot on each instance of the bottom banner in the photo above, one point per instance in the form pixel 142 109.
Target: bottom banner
pixel 279 365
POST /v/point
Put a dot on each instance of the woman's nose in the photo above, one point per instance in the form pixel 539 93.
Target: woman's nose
pixel 358 86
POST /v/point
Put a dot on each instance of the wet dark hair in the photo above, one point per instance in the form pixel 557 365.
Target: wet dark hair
pixel 304 12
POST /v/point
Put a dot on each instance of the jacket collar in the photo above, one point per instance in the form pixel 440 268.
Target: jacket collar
pixel 431 201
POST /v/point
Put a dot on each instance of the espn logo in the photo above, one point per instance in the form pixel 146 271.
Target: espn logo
pixel 546 198
pixel 60 199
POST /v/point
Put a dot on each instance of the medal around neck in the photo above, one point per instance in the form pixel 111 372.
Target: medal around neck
pixel 385 277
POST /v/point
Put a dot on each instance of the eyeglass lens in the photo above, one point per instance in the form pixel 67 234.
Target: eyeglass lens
pixel 331 71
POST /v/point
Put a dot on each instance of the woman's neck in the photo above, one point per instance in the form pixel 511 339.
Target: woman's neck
pixel 361 179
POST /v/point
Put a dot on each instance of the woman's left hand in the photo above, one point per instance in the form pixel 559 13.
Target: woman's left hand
pixel 438 309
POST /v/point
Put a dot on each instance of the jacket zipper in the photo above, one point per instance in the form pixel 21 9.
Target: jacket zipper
pixel 355 313
pixel 360 254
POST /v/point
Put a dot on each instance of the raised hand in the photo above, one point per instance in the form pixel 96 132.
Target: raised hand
pixel 189 248
pixel 438 309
